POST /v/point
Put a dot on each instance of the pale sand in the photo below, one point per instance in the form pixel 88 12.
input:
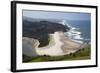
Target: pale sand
pixel 52 49
pixel 59 45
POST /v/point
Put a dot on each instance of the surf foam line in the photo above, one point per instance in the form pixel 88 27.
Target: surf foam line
pixel 73 33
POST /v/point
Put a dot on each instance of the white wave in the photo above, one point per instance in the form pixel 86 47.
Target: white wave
pixel 64 22
pixel 78 41
pixel 73 28
pixel 78 37
pixel 75 32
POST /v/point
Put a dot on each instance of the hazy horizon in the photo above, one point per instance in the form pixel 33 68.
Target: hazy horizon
pixel 56 15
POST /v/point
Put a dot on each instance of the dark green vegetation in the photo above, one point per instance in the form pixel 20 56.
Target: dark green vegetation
pixel 40 29
pixel 79 55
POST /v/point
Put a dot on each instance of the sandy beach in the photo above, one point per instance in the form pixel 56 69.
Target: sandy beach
pixel 59 45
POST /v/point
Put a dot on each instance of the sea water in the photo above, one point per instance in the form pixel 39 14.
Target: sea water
pixel 80 30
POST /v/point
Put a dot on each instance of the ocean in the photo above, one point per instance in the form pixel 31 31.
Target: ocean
pixel 80 30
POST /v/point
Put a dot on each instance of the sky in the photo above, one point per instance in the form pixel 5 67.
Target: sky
pixel 56 15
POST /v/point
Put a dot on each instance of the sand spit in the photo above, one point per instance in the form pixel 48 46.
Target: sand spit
pixel 59 45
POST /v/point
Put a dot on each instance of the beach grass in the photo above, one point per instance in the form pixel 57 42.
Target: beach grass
pixel 82 54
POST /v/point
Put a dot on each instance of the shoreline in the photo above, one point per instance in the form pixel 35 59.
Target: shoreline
pixel 62 45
